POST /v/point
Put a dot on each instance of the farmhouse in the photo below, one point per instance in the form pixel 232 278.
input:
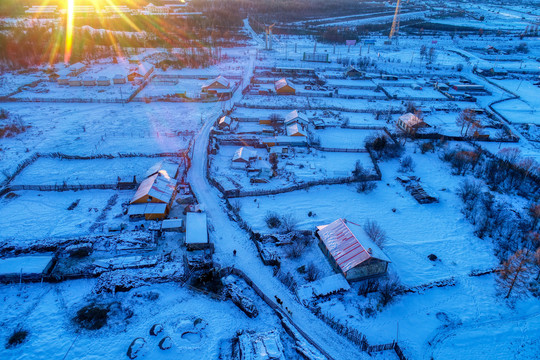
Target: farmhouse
pixel 410 123
pixel 295 116
pixel 196 231
pixel 350 251
pixel 284 87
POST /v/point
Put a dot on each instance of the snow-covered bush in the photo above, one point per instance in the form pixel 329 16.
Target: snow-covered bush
pixel 16 338
pixel 406 164
pixel 312 272
pixel 272 220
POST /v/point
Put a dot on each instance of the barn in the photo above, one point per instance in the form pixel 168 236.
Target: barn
pixel 350 251
pixel 284 87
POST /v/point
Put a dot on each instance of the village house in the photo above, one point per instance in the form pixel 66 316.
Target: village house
pixel 244 155
pixel 350 251
pixel 410 123
pixel 154 197
pixel 295 116
pixel 284 87
pixel 141 72
pixel 219 86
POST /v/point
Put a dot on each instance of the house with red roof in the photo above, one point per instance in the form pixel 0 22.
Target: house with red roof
pixel 350 250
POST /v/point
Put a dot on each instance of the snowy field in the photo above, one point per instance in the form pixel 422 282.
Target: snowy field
pixel 50 218
pixel 10 82
pixel 45 171
pixel 47 90
pixel 90 129
pixel 47 311
pixel 344 138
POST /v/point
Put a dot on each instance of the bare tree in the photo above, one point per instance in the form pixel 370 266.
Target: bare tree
pixel 515 273
pixel 465 119
pixel 375 232
pixel 288 223
pixel 388 290
pixel 534 212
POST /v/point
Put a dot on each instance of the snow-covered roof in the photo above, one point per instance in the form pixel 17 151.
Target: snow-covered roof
pixel 282 83
pixel 34 264
pixel 244 154
pixel 225 120
pixel 153 208
pixel 77 66
pixel 348 244
pixel 196 228
pixel 295 129
pixel 296 116
pixel 411 119
pixel 323 287
pixel 220 80
pixel 159 186
pixel 170 224
pixel 169 167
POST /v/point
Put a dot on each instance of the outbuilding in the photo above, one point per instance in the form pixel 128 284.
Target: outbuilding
pixel 284 87
pixel 350 251
pixel 196 231
pixel 244 155
pixel 354 73
pixel 295 129
pixel 119 79
pixel 103 81
pixel 89 81
pixel 225 122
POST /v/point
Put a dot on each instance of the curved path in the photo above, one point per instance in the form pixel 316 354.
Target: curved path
pixel 227 236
